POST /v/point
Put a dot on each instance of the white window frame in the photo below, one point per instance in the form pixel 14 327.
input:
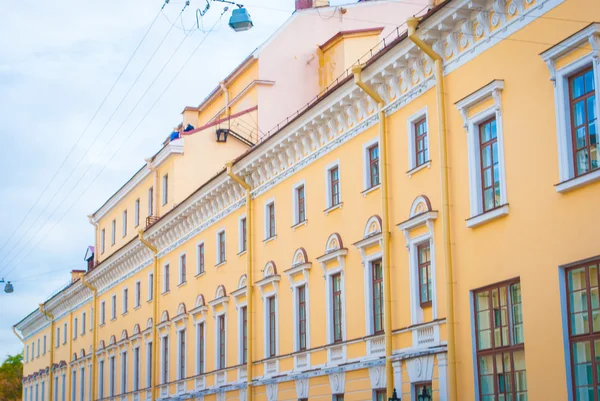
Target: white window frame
pixel 124 369
pixel 329 293
pixel 367 187
pixel 164 337
pixel 112 372
pixel 44 346
pixel 165 189
pixel 198 267
pixel 295 286
pixel 57 338
pixel 217 342
pixel 113 307
pixel 82 323
pixel 136 213
pixel 138 294
pixel 240 333
pixel 136 368
pixel 368 288
pixel 266 321
pixel 55 389
pixel 241 249
pixel 102 240
pixel 101 378
pixel 65 334
pixel 81 384
pixel 198 324
pixel 560 78
pixel 124 222
pixel 412 145
pixel 150 286
pixel 329 188
pixel 166 283
pixel 38 348
pixel 218 244
pixel 149 360
pixel 102 313
pixel 181 257
pixel 151 201
pixel 295 211
pixel 125 301
pixel 74 330
pixel 471 124
pixel 113 228
pixel 268 235
pixel 179 354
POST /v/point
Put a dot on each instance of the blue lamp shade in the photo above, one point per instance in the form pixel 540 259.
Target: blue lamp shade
pixel 240 20
pixel 8 288
pixel 174 135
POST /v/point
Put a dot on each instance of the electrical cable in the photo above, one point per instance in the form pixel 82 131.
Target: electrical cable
pixel 120 146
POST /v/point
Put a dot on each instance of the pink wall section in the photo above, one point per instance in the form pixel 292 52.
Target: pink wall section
pixel 295 69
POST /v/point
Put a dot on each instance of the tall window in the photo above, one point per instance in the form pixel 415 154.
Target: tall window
pixel 101 379
pixel 113 231
pixel 81 384
pixel 244 313
pixel 221 342
pixel 44 345
pixel 338 397
pixel 74 333
pixel 150 286
pixel 148 364
pixel 64 387
pixel 83 323
pixel 334 186
pixel 112 372
pixel 136 213
pixel 377 293
pixel 113 305
pixel 124 223
pixel 270 220
pixel 490 175
pixel 125 300
pixel 151 201
pixel 336 287
pixel 200 258
pixel 38 348
pixel 244 235
pixel 165 360
pixel 373 154
pixel 166 286
pixel 102 240
pixel 200 348
pixel 301 294
pixel 65 333
pixel 421 142
pixel 57 337
pixel 102 313
pixel 500 343
pixel 582 96
pixel 44 390
pixel 138 293
pixel 165 189
pixel 55 389
pixel 182 350
pixel 300 205
pixel 124 372
pixel 221 247
pixel 425 291
pixel 272 326
pixel 73 386
pixel 182 269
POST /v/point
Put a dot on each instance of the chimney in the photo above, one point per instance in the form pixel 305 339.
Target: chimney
pixel 76 275
pixel 303 4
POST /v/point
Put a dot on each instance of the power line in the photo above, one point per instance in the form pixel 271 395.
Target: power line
pixel 122 144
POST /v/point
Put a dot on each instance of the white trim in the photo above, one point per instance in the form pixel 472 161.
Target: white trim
pixel 296 222
pixel 164 337
pixel 165 189
pixel 412 161
pixel 150 288
pixel 217 342
pixel 240 334
pixel 137 296
pixel 124 301
pixel 267 231
pixel 180 258
pixel 367 185
pixel 166 283
pixel 124 223
pixel 198 267
pixel 136 212
pixel 113 306
pixel 218 244
pixel 578 182
pixel 200 322
pixel 367 263
pixel 487 216
pixel 471 124
pixel 328 188
pixel 180 330
pixel 266 323
pixel 241 233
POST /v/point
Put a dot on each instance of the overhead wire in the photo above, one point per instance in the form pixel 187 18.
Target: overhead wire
pixel 120 146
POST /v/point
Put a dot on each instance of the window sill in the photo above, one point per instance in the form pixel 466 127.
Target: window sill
pixel 298 225
pixel 113 319
pixel 427 164
pixel 125 313
pixel 369 190
pixel 181 284
pixel 576 182
pixel 487 216
pixel 200 275
pixel 165 292
pixel 220 264
pixel 272 238
pixel 332 208
pixel 137 307
pixel 101 324
pixel 242 252
pixel 150 300
pixel 426 304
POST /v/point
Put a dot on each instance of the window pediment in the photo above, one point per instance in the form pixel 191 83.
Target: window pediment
pixel 421 214
pixel 270 277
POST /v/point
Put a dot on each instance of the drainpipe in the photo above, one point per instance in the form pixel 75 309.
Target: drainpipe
pixel 249 278
pixel 443 149
pixel 154 373
pixel 94 329
pixel 385 228
pixel 50 317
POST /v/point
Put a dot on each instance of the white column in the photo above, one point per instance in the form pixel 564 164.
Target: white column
pixel 442 360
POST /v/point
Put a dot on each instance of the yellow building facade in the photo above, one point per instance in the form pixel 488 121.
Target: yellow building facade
pixel 420 226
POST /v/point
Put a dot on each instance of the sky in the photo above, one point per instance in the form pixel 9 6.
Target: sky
pixel 66 146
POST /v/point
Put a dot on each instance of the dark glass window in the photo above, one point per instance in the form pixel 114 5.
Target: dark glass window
pixel 421 143
pixel 424 255
pixel 374 165
pixel 272 327
pixel 490 169
pixel 582 96
pixel 302 317
pixel 377 280
pixel 336 287
pixel 334 182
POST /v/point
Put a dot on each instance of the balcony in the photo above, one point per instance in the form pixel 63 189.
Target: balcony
pixel 376 346
pixel 426 336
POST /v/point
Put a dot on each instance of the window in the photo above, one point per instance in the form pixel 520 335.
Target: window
pixel 83 323
pixel 64 387
pixel 124 223
pixel 200 258
pixel 136 213
pixel 424 256
pixel 102 240
pixel 336 292
pixel 424 390
pixel 111 378
pixel 220 247
pixel 38 348
pixel 242 240
pixel 181 365
pixel 222 339
pixel 166 286
pixel 55 389
pixel 272 326
pixel 81 385
pixel 136 369
pixel 148 364
pixel 65 333
pixel 73 386
pixel 333 189
pixel 74 329
pixel 113 230
pixel 421 142
pixel 270 220
pixel 377 294
pixel 373 158
pixel 165 189
pixel 44 345
pixel 102 313
pixel 338 397
pixel 150 286
pixel 582 99
pixel 165 360
pixel 151 201
pixel 300 204
pixel 499 342
pixel 301 295
pixel 44 391
pixel 101 379
pixel 138 293
pixel 113 307
pixel 244 334
pixel 27 354
pixel 182 269
pixel 125 300
pixel 200 348
pixel 487 177
pixel 57 337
